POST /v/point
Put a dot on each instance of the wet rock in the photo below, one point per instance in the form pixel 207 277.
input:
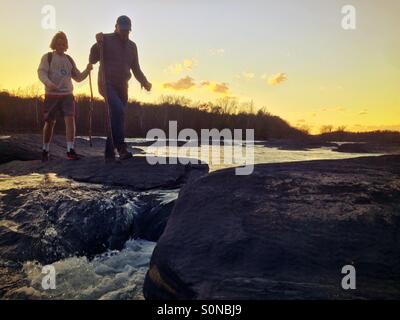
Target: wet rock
pixel 284 232
pixel 153 215
pixel 11 277
pixel 46 218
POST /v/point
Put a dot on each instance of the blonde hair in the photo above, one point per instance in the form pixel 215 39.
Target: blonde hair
pixel 59 36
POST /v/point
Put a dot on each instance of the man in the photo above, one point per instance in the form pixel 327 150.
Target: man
pixel 55 71
pixel 120 58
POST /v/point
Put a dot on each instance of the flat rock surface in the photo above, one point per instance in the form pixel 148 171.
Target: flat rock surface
pixel 135 173
pixel 29 147
pixel 284 232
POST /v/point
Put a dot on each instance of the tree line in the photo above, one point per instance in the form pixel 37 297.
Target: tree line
pixel 24 115
pixel 21 112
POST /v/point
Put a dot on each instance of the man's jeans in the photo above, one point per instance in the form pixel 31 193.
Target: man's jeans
pixel 117 99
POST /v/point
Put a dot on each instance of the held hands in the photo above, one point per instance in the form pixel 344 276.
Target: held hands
pixel 89 67
pixel 99 38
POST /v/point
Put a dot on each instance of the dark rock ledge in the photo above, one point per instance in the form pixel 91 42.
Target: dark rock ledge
pixel 284 232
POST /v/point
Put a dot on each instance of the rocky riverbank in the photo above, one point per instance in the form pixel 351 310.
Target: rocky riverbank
pixel 370 147
pixel 284 232
pixel 382 147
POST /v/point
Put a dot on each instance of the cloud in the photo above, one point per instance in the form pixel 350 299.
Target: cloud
pixel 182 84
pixel 221 88
pixel 275 79
pixel 217 52
pixel 216 87
pixel 189 83
pixel 363 113
pixel 185 65
pixel 245 76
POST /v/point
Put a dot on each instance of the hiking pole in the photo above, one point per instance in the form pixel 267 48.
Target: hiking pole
pixel 105 94
pixel 90 109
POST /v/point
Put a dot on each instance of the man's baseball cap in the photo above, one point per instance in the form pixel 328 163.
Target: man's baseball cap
pixel 124 23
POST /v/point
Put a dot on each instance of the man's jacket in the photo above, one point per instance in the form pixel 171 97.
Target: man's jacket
pixel 120 57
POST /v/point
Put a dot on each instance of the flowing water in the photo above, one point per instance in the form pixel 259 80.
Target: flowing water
pixel 112 275
pixel 245 155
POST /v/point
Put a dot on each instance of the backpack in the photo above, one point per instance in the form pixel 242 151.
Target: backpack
pixel 50 59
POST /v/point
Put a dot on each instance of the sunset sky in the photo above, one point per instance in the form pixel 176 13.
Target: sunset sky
pixel 291 56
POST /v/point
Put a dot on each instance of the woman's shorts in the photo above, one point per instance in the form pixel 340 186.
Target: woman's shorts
pixel 54 105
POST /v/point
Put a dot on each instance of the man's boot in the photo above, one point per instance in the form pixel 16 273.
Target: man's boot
pixel 110 157
pixel 45 156
pixel 124 154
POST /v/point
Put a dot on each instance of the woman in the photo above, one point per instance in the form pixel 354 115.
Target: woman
pixel 56 72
